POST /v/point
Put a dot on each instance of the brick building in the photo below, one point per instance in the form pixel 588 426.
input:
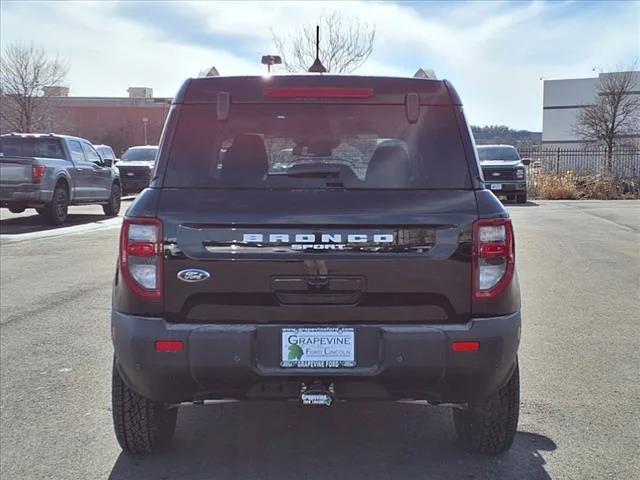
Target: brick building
pixel 116 121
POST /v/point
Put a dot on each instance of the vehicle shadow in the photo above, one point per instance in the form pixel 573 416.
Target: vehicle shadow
pixel 33 223
pixel 353 440
pixel 514 204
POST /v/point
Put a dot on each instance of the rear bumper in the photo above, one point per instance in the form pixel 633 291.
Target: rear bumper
pixel 242 361
pixel 27 195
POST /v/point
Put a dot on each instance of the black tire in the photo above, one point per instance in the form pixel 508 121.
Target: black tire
pixel 521 198
pixel 56 212
pixel 489 426
pixel 17 209
pixel 141 425
pixel 112 208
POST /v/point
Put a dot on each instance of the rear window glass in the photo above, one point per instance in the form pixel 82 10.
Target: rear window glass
pixel 316 146
pixel 497 153
pixel 31 147
pixel 139 155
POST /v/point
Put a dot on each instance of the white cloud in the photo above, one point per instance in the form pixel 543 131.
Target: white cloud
pixel 494 52
pixel 108 54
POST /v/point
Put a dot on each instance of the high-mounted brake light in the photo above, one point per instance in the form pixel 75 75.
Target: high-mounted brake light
pixel 37 173
pixel 319 92
pixel 141 257
pixel 493 257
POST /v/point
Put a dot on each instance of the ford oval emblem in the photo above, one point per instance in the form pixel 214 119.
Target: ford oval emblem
pixel 193 275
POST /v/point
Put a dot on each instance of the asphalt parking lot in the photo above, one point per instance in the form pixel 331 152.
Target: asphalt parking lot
pixel 579 269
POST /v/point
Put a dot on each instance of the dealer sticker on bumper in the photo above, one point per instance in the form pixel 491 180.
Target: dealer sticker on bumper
pixel 318 348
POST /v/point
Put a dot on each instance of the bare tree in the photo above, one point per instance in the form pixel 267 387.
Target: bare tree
pixel 614 117
pixel 25 72
pixel 345 44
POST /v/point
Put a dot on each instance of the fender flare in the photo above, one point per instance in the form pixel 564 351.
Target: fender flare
pixel 64 175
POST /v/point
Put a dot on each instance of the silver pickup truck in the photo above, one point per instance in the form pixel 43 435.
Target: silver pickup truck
pixel 49 172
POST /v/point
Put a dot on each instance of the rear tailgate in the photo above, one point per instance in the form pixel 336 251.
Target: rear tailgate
pixel 318 256
pixel 19 153
pixel 15 171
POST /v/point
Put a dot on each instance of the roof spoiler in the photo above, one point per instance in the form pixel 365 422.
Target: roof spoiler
pixel 426 73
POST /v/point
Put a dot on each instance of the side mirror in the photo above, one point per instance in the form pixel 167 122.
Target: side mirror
pixel 108 162
pixel 525 161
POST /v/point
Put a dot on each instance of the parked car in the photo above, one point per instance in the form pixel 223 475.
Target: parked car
pixel 320 280
pixel 106 153
pixel 504 171
pixel 136 166
pixel 49 172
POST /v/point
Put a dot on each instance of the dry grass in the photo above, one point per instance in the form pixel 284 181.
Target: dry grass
pixel 603 187
pixel 554 187
pixel 569 186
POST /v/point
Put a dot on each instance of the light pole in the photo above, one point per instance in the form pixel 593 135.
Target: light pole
pixel 269 60
pixel 145 120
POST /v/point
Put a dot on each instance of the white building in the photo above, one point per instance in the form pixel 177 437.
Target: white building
pixel 562 100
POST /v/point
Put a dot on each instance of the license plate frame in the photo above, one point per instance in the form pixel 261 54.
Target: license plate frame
pixel 496 186
pixel 318 347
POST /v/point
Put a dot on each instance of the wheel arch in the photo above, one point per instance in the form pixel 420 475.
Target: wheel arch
pixel 65 181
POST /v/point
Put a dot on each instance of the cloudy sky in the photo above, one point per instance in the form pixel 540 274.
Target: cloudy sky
pixel 494 52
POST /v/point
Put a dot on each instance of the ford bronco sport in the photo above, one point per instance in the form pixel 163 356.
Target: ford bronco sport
pixel 319 238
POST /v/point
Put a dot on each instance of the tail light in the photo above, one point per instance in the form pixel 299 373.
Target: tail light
pixel 37 173
pixel 141 257
pixel 493 257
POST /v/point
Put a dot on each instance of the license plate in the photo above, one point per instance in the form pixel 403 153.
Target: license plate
pixel 318 348
pixel 496 186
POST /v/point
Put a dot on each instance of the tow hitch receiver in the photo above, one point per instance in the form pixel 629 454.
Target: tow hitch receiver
pixel 317 395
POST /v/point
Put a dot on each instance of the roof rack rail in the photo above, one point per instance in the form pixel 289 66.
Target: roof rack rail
pixel 427 73
pixel 209 72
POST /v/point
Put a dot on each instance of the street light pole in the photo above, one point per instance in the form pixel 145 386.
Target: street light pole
pixel 145 120
pixel 269 60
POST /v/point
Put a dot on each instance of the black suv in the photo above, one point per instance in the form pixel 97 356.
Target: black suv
pixel 320 238
pixel 504 172
pixel 136 167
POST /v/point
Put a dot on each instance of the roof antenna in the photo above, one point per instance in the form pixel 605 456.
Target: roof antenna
pixel 317 66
